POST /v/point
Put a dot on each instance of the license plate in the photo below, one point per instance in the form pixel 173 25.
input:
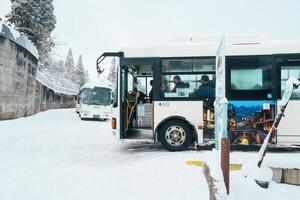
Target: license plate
pixel 96 116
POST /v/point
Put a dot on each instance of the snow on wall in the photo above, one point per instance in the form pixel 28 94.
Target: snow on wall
pixel 54 82
pixel 13 35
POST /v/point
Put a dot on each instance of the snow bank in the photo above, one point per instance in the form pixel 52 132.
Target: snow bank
pixel 212 159
pixel 9 32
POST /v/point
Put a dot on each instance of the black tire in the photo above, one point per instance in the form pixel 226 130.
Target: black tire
pixel 180 127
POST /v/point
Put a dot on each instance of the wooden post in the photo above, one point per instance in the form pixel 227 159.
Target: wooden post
pixel 271 135
pixel 225 160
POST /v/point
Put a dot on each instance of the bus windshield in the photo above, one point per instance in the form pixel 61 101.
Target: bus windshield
pixel 96 96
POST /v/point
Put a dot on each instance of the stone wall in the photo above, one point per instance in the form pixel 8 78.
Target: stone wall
pixel 17 80
pixel 20 93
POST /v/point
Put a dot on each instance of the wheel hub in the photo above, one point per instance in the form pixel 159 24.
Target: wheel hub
pixel 175 135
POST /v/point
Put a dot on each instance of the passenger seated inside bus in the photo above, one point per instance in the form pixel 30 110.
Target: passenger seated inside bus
pixel 142 97
pixel 206 89
pixel 179 84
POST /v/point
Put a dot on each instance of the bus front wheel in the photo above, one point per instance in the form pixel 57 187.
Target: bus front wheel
pixel 175 135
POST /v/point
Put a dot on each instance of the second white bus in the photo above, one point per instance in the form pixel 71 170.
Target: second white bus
pixel 94 102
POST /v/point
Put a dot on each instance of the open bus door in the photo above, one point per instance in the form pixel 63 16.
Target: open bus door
pixel 136 107
pixel 115 91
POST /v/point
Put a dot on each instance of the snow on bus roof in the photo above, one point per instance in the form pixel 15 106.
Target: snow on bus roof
pixel 91 85
pixel 172 50
pixel 207 46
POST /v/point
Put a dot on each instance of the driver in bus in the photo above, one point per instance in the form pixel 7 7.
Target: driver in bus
pixel 179 83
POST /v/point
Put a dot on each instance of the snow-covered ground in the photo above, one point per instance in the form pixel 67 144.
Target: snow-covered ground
pixel 55 155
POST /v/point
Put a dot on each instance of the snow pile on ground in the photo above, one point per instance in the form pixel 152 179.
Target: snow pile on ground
pixel 242 182
pixel 212 159
pixel 57 82
pixel 9 32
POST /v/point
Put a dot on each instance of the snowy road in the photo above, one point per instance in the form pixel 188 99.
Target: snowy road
pixel 55 155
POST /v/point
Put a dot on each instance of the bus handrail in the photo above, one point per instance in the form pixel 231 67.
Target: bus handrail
pixel 103 56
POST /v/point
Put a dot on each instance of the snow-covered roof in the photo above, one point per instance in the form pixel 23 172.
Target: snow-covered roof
pixel 207 46
pixel 56 82
pixel 13 35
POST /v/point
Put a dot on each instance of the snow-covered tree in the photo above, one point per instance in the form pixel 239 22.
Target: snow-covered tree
pixel 69 66
pixel 79 72
pixel 61 66
pixel 36 20
pixel 112 75
pixel 86 76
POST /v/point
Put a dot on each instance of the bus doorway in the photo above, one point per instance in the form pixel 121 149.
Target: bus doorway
pixel 136 107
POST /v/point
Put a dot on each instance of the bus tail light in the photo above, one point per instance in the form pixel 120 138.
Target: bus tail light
pixel 113 123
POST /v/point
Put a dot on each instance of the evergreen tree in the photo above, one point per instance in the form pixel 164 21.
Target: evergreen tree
pixel 79 72
pixel 86 76
pixel 36 20
pixel 69 66
pixel 61 66
pixel 112 75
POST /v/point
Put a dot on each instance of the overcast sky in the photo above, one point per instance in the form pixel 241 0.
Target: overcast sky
pixel 91 27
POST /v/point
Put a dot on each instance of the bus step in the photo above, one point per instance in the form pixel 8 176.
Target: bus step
pixel 140 133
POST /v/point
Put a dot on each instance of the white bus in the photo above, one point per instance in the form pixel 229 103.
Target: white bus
pixel 179 111
pixel 94 102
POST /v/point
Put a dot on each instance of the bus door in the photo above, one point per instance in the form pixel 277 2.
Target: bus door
pixel 136 111
pixel 289 128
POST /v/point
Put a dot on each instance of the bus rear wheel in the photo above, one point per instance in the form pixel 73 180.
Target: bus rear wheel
pixel 175 135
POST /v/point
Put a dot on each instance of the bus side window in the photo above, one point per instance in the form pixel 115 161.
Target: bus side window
pixel 289 72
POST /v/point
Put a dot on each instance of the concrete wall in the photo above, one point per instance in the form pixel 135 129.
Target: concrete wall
pixel 20 93
pixel 17 80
